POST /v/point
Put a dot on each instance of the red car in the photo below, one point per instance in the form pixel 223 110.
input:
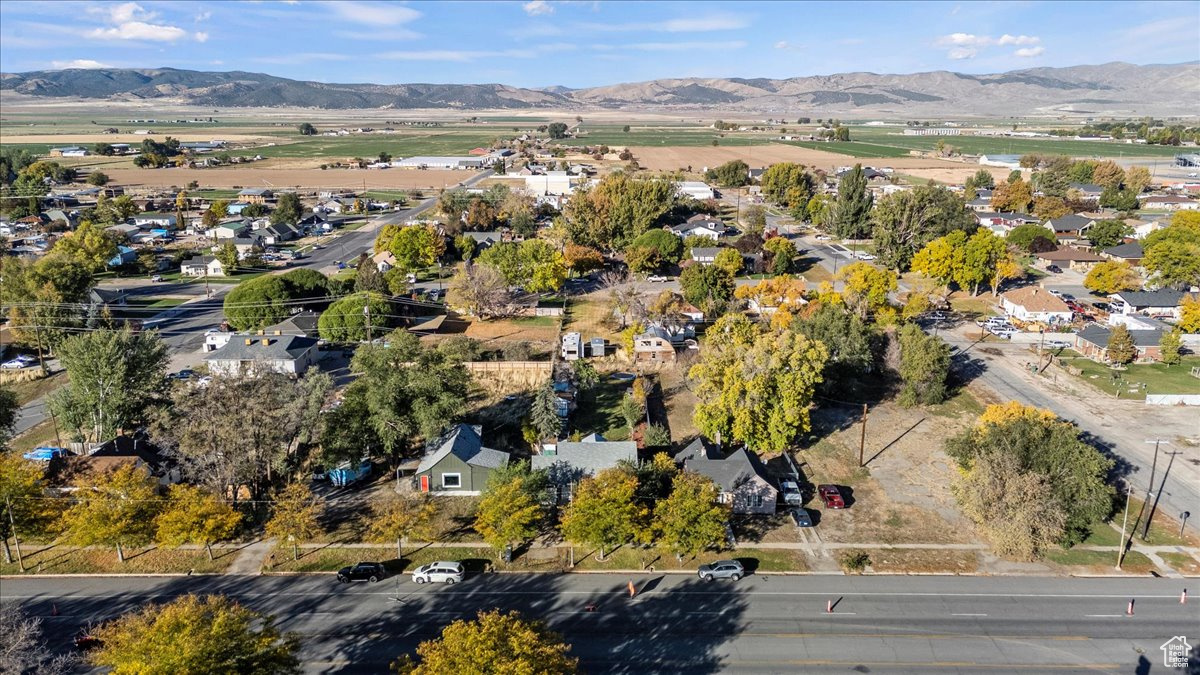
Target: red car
pixel 831 496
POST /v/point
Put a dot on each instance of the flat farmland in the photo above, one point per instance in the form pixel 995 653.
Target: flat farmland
pixel 257 175
pixel 871 140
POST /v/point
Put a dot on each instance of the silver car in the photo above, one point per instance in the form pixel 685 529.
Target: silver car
pixel 447 572
pixel 722 569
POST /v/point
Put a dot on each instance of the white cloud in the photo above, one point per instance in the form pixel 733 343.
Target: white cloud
pixel 782 44
pixel 200 36
pixel 88 64
pixel 537 7
pixel 963 40
pixel 1007 39
pixel 373 14
pixel 960 53
pixel 129 11
pixel 203 16
pixel 138 30
pixel 1029 52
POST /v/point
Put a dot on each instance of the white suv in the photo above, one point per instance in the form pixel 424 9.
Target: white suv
pixel 441 571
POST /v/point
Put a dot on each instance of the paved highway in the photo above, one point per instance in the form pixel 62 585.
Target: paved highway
pixel 681 624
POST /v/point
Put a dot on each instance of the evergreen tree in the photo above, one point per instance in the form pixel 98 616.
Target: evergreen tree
pixel 853 205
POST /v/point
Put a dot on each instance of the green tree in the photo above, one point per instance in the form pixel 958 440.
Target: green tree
pixel 731 174
pixel 1032 238
pixel 854 201
pixel 1075 473
pixel 906 221
pixel 706 286
pixel 603 512
pixel 585 374
pixel 691 520
pixel 1120 348
pixel 983 179
pixel 1015 509
pixel 348 319
pixel 115 508
pixel 509 512
pixel 409 392
pixel 493 643
pixel 416 247
pixel 557 130
pixel 42 298
pixel 665 243
pixel 465 246
pixel 397 515
pixel 1116 198
pixel 114 377
pixel 258 303
pixel 620 207
pixel 227 253
pixel 1169 346
pixel 97 178
pixel 305 284
pixel 89 245
pixel 982 254
pixel 191 634
pixel 294 516
pixel 544 413
pixel 288 209
pixel 924 367
pixel 729 261
pixel 306 129
pixel 195 516
pixel 755 388
pixel 783 254
pixel 1112 276
pixel 789 185
pixel 847 338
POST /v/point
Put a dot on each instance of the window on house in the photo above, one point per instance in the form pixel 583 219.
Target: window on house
pixel 757 500
pixel 451 480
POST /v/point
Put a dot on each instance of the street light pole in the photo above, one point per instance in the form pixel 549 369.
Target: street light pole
pixel 1150 485
pixel 1124 521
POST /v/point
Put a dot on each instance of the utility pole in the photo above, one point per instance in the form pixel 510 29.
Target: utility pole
pixel 13 526
pixel 1158 495
pixel 1150 485
pixel 862 440
pixel 367 318
pixel 1124 520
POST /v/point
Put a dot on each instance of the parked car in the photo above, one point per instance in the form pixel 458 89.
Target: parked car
pixel 447 572
pixel 863 255
pixel 655 278
pixel 831 496
pixel 363 571
pixel 156 278
pixel 1054 269
pixel 19 362
pixel 824 237
pixel 44 454
pixel 1056 293
pixel 1102 306
pixel 1057 344
pixel 790 491
pixel 722 569
pixel 801 517
pixel 184 374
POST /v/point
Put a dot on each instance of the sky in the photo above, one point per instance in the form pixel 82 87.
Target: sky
pixel 539 43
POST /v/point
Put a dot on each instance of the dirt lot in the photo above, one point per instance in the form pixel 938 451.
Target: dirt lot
pixel 261 174
pixel 670 159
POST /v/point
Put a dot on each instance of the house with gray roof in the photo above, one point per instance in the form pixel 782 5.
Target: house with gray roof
pixel 1092 342
pixel 569 462
pixel 1070 227
pixel 457 464
pixel 741 476
pixel 249 354
pixel 1131 253
pixel 1164 302
pixel 705 255
pixel 702 227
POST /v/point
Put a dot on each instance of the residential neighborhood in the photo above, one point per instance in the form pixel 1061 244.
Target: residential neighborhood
pixel 694 374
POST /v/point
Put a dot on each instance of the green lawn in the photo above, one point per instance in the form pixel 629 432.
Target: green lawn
pixel 1134 562
pixel 1158 378
pixel 598 411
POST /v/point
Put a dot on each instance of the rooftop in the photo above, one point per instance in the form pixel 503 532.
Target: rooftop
pixel 463 441
pixel 246 347
pixel 571 461
pixel 1036 299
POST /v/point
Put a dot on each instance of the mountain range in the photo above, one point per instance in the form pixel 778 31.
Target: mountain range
pixel 1107 89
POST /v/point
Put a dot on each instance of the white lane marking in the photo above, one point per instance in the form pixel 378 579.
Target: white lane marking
pixel 968 614
pixel 1105 616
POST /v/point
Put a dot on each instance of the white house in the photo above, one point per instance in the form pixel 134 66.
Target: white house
pixel 250 354
pixel 702 226
pixel 696 190
pixel 202 265
pixel 1032 303
pixel 556 183
pixel 1169 203
pixel 1164 302
pixel 705 255
pixel 154 220
pixel 384 261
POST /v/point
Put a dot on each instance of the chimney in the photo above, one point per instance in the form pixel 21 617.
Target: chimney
pixel 279 332
pixel 266 341
pixel 249 342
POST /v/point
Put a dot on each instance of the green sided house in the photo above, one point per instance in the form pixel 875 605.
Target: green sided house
pixel 457 464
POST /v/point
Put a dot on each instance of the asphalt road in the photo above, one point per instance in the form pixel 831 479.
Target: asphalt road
pixel 681 624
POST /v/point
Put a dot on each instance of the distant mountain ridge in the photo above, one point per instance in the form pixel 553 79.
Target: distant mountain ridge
pixel 1111 88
